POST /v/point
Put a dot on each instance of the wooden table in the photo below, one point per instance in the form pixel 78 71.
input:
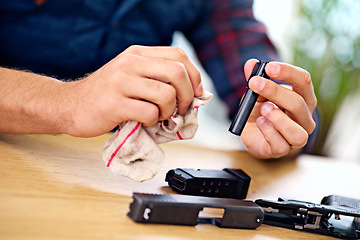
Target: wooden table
pixel 57 187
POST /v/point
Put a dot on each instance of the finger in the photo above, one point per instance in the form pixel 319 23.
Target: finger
pixel 277 145
pixel 255 113
pixel 140 111
pixel 248 67
pixel 174 54
pixel 285 98
pixel 299 78
pixel 294 134
pixel 165 71
pixel 161 94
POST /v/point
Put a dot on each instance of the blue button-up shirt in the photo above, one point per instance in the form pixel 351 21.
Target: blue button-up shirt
pixel 70 38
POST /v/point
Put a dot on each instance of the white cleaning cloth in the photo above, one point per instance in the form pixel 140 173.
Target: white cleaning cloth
pixel 133 150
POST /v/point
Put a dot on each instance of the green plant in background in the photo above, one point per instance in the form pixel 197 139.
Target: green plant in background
pixel 326 42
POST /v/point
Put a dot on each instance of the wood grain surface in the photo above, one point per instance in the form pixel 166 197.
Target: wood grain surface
pixel 58 187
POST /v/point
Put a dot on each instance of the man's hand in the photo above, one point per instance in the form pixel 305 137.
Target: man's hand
pixel 282 117
pixel 143 84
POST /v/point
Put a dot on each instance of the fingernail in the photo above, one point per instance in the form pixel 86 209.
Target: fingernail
pixel 275 69
pixel 266 108
pixel 261 120
pixel 259 84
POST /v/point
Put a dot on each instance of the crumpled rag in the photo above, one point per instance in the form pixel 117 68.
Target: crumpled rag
pixel 133 150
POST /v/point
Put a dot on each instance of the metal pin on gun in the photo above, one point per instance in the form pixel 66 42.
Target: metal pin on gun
pixel 248 102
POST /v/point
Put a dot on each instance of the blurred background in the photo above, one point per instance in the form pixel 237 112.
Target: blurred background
pixel 323 37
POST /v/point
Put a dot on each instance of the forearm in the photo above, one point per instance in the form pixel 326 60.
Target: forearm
pixel 31 103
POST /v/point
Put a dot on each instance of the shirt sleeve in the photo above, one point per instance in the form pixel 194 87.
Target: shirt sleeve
pixel 227 37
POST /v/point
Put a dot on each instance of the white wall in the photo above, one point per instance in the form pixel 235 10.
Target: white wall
pixel 279 17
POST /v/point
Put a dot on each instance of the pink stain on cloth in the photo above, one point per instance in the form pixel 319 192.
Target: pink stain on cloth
pixel 133 150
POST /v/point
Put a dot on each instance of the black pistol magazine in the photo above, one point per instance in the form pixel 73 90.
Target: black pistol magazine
pixel 227 183
pixel 185 210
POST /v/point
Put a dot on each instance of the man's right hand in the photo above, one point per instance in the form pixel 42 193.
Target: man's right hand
pixel 143 84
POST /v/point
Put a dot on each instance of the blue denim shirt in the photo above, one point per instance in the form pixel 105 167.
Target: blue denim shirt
pixel 70 38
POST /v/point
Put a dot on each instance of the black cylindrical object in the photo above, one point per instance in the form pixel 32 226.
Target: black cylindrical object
pixel 248 102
